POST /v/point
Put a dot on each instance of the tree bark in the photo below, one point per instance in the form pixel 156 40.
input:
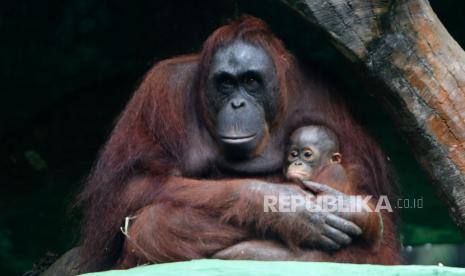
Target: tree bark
pixel 403 45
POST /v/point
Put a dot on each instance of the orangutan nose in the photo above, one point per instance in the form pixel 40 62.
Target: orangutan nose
pixel 237 103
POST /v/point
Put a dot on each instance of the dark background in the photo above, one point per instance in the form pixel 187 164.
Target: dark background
pixel 67 68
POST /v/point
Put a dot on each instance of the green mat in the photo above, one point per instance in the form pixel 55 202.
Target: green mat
pixel 219 267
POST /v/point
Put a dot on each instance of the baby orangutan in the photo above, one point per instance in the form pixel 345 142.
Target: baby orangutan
pixel 313 154
pixel 314 162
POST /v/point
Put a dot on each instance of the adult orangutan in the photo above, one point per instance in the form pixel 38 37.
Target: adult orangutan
pixel 175 162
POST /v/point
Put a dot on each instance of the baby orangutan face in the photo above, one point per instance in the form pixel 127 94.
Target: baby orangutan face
pixel 312 148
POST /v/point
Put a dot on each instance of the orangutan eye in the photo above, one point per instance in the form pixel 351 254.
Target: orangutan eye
pixel 225 82
pixel 308 154
pixel 226 85
pixel 293 155
pixel 251 81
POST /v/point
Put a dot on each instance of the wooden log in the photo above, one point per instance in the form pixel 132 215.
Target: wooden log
pixel 403 45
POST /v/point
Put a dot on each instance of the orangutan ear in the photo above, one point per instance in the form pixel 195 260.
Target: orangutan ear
pixel 336 158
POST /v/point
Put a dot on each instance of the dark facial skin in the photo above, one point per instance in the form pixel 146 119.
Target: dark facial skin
pixel 312 148
pixel 242 92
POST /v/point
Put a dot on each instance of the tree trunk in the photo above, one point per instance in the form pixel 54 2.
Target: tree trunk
pixel 403 44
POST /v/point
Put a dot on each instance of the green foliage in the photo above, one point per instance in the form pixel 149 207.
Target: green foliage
pixel 8 260
pixel 35 160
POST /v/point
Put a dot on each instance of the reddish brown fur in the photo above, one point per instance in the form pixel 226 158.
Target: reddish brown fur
pixel 186 218
pixel 337 177
pixel 372 247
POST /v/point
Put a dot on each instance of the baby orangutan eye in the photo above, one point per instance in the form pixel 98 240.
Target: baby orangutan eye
pixel 293 155
pixel 308 155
